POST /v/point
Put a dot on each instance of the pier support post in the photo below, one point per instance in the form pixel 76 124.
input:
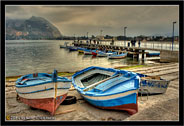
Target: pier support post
pixel 143 51
pixel 138 55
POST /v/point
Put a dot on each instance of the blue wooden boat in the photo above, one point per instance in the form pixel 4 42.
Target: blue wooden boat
pixel 152 54
pixel 95 52
pixel 42 90
pixel 81 50
pixel 152 84
pixel 117 56
pixel 108 88
pixel 105 54
pixel 72 48
pixel 88 51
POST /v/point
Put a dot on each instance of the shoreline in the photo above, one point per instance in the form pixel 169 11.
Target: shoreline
pixel 157 107
pixel 68 74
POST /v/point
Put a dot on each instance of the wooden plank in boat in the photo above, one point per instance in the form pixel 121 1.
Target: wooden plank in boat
pixel 151 77
pixel 95 84
pixel 113 82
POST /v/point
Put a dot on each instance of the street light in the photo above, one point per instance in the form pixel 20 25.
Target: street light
pixel 125 35
pixel 101 32
pixel 87 35
pixel 173 34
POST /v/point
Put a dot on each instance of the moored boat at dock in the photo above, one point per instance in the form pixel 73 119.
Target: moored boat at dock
pixel 105 54
pixel 117 56
pixel 94 53
pixel 88 51
pixel 72 48
pixel 152 54
pixel 80 50
pixel 108 88
pixel 42 90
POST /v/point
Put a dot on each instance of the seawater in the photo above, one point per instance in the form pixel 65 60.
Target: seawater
pixel 43 56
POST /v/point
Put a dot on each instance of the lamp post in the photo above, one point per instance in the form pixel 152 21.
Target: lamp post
pixel 125 35
pixel 173 35
pixel 87 35
pixel 101 32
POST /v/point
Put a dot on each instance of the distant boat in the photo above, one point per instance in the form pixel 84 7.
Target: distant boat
pixel 65 45
pixel 152 54
pixel 88 51
pixel 42 90
pixel 108 88
pixel 81 50
pixel 104 54
pixel 118 56
pixel 72 48
pixel 94 53
pixel 152 84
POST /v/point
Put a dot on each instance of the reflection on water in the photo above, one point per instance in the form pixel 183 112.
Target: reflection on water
pixel 24 57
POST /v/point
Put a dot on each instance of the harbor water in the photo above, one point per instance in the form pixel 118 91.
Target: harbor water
pixel 32 56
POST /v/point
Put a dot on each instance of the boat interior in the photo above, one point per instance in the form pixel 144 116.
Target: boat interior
pixel 99 79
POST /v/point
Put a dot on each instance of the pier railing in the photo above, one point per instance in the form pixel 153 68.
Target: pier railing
pixel 155 45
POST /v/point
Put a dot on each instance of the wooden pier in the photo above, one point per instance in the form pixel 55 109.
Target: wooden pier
pixel 137 52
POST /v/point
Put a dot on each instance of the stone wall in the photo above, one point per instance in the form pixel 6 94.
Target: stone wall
pixel 169 56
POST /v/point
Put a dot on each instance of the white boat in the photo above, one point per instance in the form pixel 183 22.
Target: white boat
pixel 152 84
pixel 117 56
pixel 42 90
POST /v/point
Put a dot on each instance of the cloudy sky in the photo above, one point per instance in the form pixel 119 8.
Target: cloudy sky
pixel 78 20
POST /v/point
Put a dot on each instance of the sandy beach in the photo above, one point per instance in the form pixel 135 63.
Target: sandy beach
pixel 156 107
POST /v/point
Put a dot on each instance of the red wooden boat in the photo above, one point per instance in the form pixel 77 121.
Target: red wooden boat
pixel 94 53
pixel 42 90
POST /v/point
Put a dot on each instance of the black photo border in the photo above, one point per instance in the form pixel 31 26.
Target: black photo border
pixel 100 123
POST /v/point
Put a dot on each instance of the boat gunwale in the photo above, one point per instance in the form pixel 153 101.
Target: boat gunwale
pixel 144 75
pixel 41 83
pixel 80 90
pixel 40 90
pixel 135 91
pixel 113 56
pixel 59 79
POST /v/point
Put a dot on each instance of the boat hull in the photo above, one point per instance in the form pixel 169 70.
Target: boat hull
pixel 87 53
pixel 126 103
pixel 117 57
pixel 48 104
pixel 120 56
pixel 72 49
pixel 153 54
pixel 80 51
pixel 101 55
pixel 42 90
pixel 108 88
pixel 153 86
pixel 94 53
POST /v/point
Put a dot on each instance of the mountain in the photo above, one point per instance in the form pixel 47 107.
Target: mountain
pixel 33 28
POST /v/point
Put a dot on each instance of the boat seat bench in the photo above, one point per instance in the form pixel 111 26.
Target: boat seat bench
pixel 107 83
pixel 97 83
pixel 110 83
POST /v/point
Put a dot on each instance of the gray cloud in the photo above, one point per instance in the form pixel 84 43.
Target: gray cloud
pixel 78 20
